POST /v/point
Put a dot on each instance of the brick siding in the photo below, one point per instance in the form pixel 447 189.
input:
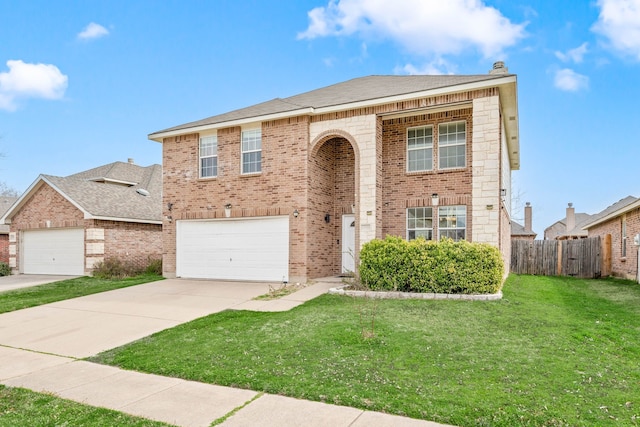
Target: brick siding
pixel 4 248
pixel 327 163
pixel 46 208
pixel 626 267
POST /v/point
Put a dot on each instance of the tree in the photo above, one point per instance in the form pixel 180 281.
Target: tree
pixel 7 191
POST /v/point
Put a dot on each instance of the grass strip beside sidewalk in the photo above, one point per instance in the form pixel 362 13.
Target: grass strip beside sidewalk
pixel 554 351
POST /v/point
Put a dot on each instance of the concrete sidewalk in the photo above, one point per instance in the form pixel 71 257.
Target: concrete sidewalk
pixel 63 330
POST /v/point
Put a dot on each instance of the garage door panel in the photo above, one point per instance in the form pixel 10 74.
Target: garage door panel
pixel 57 251
pixel 243 249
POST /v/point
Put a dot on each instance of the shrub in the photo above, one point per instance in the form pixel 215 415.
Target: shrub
pixel 394 264
pixel 154 267
pixel 5 270
pixel 115 268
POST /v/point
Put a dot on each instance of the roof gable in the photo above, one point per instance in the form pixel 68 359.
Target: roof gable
pixel 103 200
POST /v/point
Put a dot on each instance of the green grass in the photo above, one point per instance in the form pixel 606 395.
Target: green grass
pixel 553 352
pixel 20 407
pixel 51 292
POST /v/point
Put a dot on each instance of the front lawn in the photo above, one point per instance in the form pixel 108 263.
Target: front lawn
pixel 20 407
pixel 554 351
pixel 66 289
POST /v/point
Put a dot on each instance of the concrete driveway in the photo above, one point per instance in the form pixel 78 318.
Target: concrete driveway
pixel 85 326
pixel 8 283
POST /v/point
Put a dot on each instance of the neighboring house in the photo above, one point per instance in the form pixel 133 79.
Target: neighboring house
pixel 5 204
pixel 290 189
pixel 64 225
pixel 524 232
pixel 568 228
pixel 622 221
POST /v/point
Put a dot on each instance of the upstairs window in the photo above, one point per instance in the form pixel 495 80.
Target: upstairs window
pixel 420 223
pixel 252 151
pixel 452 222
pixel 420 149
pixel 452 145
pixel 208 156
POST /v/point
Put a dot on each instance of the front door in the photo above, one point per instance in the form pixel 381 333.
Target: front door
pixel 348 244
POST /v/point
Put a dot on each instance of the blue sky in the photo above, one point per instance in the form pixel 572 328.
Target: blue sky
pixel 82 83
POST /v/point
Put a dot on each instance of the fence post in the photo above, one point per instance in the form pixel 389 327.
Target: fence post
pixel 606 255
pixel 559 249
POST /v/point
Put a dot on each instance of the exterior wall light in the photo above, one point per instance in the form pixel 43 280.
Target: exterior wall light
pixel 435 199
pixel 227 210
pixel 327 218
pixel 296 214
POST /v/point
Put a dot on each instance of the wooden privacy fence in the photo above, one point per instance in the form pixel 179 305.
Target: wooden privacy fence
pixel 585 258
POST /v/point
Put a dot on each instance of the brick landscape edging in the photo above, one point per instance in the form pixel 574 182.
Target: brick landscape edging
pixel 341 290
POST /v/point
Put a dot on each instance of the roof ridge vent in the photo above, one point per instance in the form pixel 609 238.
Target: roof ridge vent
pixel 499 68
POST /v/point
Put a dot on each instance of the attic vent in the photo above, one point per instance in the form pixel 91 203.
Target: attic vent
pixel 142 192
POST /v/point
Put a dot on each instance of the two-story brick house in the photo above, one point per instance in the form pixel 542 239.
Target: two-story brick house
pixel 291 188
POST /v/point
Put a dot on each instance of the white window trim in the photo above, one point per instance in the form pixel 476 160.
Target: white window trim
pixel 419 229
pixel 466 216
pixel 464 144
pixel 200 156
pixel 422 148
pixel 623 250
pixel 243 152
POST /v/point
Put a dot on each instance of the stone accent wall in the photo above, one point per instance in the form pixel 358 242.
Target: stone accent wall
pixel 486 180
pixel 626 267
pixel 360 130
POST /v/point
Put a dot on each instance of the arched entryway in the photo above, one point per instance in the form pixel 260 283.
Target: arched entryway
pixel 333 231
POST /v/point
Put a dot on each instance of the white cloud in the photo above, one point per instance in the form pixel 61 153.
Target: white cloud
pixel 570 81
pixel 93 31
pixel 573 55
pixel 30 81
pixel 619 22
pixel 438 66
pixel 424 27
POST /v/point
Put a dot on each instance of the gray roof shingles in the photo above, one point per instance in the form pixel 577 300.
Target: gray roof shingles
pixel 355 90
pixel 112 200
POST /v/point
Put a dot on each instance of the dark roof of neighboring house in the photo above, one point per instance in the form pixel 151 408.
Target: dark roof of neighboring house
pixel 118 191
pixel 356 90
pixel 518 230
pixel 618 208
pixel 5 204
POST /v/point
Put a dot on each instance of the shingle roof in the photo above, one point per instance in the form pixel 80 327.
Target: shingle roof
pixel 5 204
pixel 620 205
pixel 355 90
pixel 92 191
pixel 518 230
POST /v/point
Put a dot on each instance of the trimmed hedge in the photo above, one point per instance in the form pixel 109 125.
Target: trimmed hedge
pixel 449 267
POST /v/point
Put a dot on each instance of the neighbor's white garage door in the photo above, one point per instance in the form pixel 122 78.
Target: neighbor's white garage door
pixel 58 251
pixel 236 249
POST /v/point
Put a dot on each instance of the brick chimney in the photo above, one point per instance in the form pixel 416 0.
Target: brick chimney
pixel 571 218
pixel 131 161
pixel 527 218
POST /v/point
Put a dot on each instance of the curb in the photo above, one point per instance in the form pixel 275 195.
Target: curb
pixel 340 290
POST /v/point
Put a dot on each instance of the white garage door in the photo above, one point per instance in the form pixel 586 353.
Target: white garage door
pixel 58 251
pixel 236 249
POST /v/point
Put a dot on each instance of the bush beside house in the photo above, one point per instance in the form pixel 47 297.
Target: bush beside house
pixel 394 264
